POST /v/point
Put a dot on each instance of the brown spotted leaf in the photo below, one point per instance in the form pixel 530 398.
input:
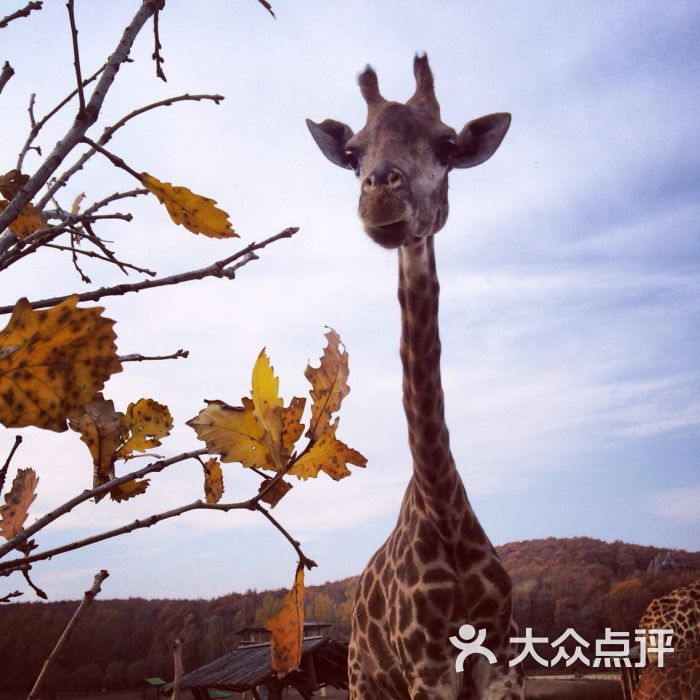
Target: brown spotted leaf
pixel 328 384
pixel 53 362
pixel 213 481
pixel 148 421
pixel 16 509
pixel 103 430
pixel 11 183
pixel 29 220
pixel 287 629
pixel 196 213
pixel 327 454
pixel 129 489
pixel 274 493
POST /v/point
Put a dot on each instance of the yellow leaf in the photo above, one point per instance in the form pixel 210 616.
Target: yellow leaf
pixel 53 362
pixel 148 421
pixel 103 430
pixel 213 481
pixel 328 384
pixel 233 433
pixel 11 183
pixel 17 502
pixel 287 629
pixel 292 427
pixel 276 492
pixel 328 454
pixel 268 407
pixel 196 213
pixel 129 489
pixel 29 220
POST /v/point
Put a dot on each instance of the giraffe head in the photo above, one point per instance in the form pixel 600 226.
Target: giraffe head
pixel 403 154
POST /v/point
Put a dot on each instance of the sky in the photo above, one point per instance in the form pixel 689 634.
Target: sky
pixel 570 304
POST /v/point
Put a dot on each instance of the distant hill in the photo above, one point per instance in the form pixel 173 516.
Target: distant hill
pixel 558 583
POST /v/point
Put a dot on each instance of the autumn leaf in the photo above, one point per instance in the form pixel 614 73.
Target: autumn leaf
pixel 11 183
pixel 103 430
pixel 148 421
pixel 213 481
pixel 129 489
pixel 274 493
pixel 287 628
pixel 196 213
pixel 29 220
pixel 53 362
pixel 16 509
pixel 267 6
pixel 327 454
pixel 328 384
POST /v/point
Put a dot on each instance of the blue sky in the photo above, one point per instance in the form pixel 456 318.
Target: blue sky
pixel 569 271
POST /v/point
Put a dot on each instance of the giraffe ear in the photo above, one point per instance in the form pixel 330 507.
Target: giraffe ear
pixel 479 139
pixel 331 136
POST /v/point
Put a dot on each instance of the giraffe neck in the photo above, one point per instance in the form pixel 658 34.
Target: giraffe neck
pixel 436 481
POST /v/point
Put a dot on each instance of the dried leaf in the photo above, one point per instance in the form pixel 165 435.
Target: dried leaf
pixel 129 489
pixel 148 421
pixel 196 213
pixel 213 481
pixel 53 362
pixel 328 384
pixel 287 629
pixel 276 492
pixel 75 207
pixel 268 407
pixel 329 455
pixel 267 6
pixel 16 509
pixel 29 220
pixel 11 183
pixel 103 430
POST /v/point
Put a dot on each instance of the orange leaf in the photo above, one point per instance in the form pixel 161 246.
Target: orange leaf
pixel 30 219
pixel 17 502
pixel 53 362
pixel 148 421
pixel 129 489
pixel 287 629
pixel 276 492
pixel 213 481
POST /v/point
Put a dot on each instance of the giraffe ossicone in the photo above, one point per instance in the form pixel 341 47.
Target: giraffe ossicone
pixel 437 571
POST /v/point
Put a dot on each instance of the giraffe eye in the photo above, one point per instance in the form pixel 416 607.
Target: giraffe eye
pixel 353 161
pixel 444 150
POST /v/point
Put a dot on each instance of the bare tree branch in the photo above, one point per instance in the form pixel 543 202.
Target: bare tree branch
pixel 5 74
pixel 79 127
pixel 157 45
pixel 9 596
pixel 221 268
pixel 76 59
pixel 88 597
pixel 142 358
pixel 152 468
pixel 6 466
pixel 24 12
pixel 40 593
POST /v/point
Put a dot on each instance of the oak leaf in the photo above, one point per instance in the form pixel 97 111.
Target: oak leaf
pixel 196 213
pixel 29 220
pixel 53 362
pixel 148 421
pixel 17 501
pixel 275 492
pixel 129 489
pixel 287 628
pixel 328 384
pixel 11 183
pixel 327 454
pixel 213 481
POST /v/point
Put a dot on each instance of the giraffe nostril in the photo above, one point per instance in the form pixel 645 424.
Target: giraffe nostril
pixel 394 178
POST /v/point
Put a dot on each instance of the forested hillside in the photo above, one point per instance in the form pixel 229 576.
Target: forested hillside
pixel 558 583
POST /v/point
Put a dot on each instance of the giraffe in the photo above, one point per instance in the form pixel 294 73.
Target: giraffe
pixel 679 677
pixel 437 570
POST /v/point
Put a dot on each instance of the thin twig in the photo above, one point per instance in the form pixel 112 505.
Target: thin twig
pixel 93 254
pixel 5 74
pixel 6 466
pixel 152 468
pixel 135 357
pixel 76 59
pixel 9 596
pixel 41 594
pixel 157 45
pixel 303 559
pixel 221 268
pixel 109 132
pixel 24 12
pixel 115 160
pixel 113 198
pixel 88 597
pixel 36 126
pixel 78 128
